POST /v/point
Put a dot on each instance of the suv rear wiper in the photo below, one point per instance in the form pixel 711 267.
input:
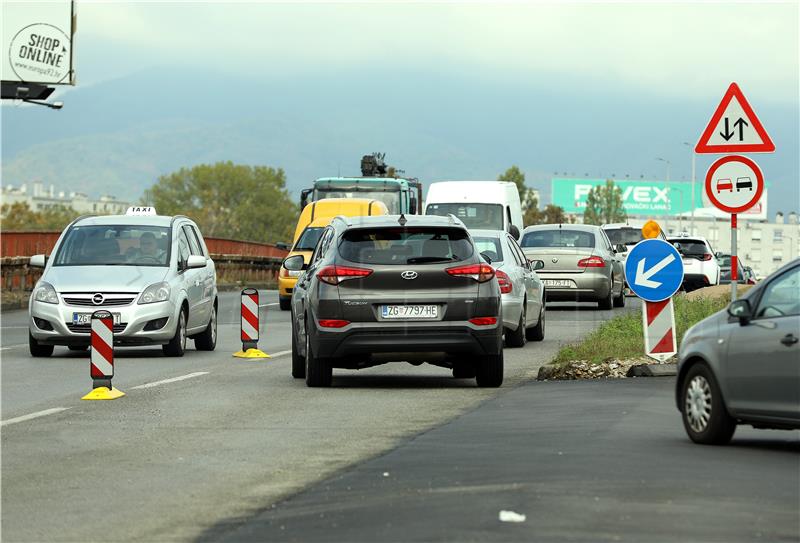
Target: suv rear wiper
pixel 423 259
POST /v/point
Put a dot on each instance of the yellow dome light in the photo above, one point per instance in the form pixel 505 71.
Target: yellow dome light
pixel 651 230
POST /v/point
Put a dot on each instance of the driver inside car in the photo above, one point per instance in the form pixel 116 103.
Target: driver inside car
pixel 148 249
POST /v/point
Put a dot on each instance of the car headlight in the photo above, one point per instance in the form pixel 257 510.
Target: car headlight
pixel 45 293
pixel 157 292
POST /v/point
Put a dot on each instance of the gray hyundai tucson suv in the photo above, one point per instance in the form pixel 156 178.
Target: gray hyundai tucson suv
pixel 396 288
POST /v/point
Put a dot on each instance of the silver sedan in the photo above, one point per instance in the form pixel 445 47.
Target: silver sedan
pixel 521 289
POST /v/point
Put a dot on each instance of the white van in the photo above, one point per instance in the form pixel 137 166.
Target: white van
pixel 484 205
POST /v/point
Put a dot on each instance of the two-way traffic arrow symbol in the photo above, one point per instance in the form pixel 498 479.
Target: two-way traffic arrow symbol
pixel 740 124
pixel 643 277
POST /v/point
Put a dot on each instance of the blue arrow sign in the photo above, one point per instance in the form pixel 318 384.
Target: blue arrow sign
pixel 654 270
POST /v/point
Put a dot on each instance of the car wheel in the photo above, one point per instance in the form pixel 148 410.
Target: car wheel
pixel 489 371
pixel 537 332
pixel 207 340
pixel 78 348
pixel 37 349
pixel 177 345
pixel 516 338
pixel 703 410
pixel 608 301
pixel 319 372
pixel 284 303
pixel 298 362
pixel 620 302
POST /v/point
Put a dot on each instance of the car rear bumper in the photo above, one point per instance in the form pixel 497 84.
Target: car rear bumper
pixel 692 281
pixel 588 285
pixel 358 339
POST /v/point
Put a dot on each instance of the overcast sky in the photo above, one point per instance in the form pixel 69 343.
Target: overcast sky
pixel 674 49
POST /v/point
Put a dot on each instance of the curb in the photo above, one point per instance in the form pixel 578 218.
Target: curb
pixel 653 370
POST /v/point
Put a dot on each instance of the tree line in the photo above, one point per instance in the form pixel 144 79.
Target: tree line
pixel 252 203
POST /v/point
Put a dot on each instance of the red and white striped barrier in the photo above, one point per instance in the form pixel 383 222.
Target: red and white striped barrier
pixel 250 326
pixel 101 361
pixel 658 319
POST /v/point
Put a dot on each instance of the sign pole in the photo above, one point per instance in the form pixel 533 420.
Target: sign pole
pixel 734 259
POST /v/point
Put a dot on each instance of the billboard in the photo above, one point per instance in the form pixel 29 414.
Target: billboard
pixel 647 198
pixel 37 42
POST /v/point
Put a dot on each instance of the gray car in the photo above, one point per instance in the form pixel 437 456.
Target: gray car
pixel 580 264
pixel 742 365
pixel 521 289
pixel 396 288
pixel 153 273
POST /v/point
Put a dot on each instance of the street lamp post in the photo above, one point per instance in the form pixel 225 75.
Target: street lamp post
pixel 670 202
pixel 694 157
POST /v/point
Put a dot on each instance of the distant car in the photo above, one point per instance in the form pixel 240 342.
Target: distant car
pixel 750 276
pixel 396 288
pixel 744 274
pixel 724 184
pixel 521 289
pixel 744 183
pixel 580 264
pixel 623 236
pixel 700 267
pixel 742 365
pixel 153 273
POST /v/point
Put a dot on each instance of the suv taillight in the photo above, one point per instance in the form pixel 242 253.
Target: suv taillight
pixel 480 272
pixel 592 262
pixel 504 281
pixel 333 275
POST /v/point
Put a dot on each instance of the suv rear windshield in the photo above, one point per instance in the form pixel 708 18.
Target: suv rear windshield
pixel 477 216
pixel 624 236
pixel 115 245
pixel 308 239
pixel 397 245
pixel 690 247
pixel 561 237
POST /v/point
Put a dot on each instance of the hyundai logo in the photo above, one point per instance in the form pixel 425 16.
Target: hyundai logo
pixel 97 299
pixel 409 274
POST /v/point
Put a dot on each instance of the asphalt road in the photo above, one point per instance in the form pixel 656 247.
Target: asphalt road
pixel 582 460
pixel 172 460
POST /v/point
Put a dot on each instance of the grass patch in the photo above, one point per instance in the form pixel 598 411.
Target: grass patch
pixel 623 338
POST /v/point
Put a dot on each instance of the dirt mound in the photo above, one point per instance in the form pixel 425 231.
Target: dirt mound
pixel 717 291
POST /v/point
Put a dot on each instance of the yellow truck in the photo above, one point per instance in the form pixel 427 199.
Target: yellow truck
pixel 313 220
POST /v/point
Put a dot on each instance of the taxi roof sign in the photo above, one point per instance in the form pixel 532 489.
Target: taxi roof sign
pixel 141 211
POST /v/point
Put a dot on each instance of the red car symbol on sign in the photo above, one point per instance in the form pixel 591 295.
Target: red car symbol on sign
pixel 724 184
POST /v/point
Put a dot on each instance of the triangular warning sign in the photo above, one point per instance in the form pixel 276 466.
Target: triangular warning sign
pixel 734 128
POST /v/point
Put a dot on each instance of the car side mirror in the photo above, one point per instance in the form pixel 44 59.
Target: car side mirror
pixel 295 263
pixel 537 264
pixel 196 261
pixel 38 261
pixel 741 310
pixel 486 257
pixel 514 231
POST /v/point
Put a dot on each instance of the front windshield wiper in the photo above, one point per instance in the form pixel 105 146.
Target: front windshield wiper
pixel 427 259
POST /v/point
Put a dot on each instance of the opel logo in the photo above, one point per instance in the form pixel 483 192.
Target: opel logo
pixel 97 299
pixel 409 274
pixel 555 260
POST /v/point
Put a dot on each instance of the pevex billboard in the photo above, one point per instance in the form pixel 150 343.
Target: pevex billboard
pixel 639 197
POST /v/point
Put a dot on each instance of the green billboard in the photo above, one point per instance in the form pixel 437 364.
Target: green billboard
pixel 639 197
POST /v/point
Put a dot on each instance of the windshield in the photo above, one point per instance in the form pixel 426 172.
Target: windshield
pixel 308 239
pixel 391 199
pixel 690 247
pixel 115 245
pixel 624 236
pixel 420 245
pixel 490 246
pixel 558 238
pixel 477 216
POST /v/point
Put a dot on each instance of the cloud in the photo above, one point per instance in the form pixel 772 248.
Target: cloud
pixel 665 49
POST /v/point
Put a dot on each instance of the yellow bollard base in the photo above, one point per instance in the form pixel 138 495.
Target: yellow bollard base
pixel 251 353
pixel 104 393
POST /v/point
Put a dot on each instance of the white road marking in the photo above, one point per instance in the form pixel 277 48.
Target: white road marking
pixel 32 416
pixel 273 304
pixel 172 380
pixel 280 353
pixel 12 347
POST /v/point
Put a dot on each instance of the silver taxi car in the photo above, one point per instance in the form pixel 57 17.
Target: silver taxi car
pixel 153 273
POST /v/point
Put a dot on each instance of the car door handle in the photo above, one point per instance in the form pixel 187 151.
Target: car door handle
pixel 789 339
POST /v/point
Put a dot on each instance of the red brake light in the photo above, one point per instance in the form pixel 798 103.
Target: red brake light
pixel 483 321
pixel 333 275
pixel 503 280
pixel 480 272
pixel 592 262
pixel 333 323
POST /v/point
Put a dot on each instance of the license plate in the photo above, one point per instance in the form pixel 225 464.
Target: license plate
pixel 86 318
pixel 558 283
pixel 410 311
